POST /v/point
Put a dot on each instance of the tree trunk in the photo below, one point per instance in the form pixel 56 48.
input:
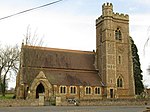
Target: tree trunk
pixel 3 89
pixel 0 80
pixel 4 83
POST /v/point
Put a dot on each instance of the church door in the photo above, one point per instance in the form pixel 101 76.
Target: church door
pixel 111 93
pixel 39 89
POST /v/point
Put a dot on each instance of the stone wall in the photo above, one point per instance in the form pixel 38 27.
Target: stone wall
pixel 18 102
pixel 33 102
pixel 118 102
pixel 115 102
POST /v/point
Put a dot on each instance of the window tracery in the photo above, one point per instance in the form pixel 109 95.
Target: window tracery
pixel 118 35
pixel 119 82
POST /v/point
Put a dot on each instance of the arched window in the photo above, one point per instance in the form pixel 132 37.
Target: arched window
pixel 119 82
pixel 63 89
pixel 97 90
pixel 118 35
pixel 73 90
pixel 88 90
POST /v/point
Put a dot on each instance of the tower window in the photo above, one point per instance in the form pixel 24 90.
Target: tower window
pixel 119 60
pixel 118 35
pixel 88 90
pixel 119 82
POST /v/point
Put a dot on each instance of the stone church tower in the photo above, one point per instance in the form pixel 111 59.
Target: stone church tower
pixel 114 58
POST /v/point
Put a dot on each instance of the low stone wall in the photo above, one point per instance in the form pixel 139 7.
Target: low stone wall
pixel 18 102
pixel 35 102
pixel 115 102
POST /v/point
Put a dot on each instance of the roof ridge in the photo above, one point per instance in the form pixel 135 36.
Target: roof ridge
pixel 58 49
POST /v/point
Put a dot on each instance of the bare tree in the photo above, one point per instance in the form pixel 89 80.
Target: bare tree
pixel 9 63
pixel 32 38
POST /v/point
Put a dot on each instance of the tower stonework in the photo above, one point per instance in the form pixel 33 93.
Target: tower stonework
pixel 114 58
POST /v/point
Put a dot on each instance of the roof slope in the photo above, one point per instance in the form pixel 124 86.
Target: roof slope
pixel 40 57
pixel 64 77
pixel 61 67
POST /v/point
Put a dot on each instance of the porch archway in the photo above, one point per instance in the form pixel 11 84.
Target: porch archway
pixel 41 85
pixel 40 89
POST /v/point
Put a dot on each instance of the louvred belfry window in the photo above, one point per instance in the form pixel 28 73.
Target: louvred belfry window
pixel 118 35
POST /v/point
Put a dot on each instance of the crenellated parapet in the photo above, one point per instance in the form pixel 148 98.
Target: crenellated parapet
pixel 107 9
pixel 107 5
pixel 99 20
pixel 120 16
pixel 107 13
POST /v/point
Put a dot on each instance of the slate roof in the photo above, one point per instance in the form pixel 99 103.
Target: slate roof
pixel 60 77
pixel 61 66
pixel 57 58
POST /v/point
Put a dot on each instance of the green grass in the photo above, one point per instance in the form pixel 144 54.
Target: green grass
pixel 7 96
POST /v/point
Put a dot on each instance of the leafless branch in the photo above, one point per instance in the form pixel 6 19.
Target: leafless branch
pixel 9 59
pixel 32 39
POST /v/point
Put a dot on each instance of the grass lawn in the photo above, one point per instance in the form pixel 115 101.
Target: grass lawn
pixel 7 96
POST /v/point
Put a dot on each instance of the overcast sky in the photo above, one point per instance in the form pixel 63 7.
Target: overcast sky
pixel 70 24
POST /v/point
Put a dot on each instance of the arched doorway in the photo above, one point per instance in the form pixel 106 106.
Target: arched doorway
pixel 41 85
pixel 40 89
pixel 111 93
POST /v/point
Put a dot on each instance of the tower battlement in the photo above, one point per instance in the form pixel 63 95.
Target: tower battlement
pixel 107 11
pixel 121 16
pixel 107 5
pixel 99 20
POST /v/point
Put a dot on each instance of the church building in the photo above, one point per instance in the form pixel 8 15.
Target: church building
pixel 104 73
